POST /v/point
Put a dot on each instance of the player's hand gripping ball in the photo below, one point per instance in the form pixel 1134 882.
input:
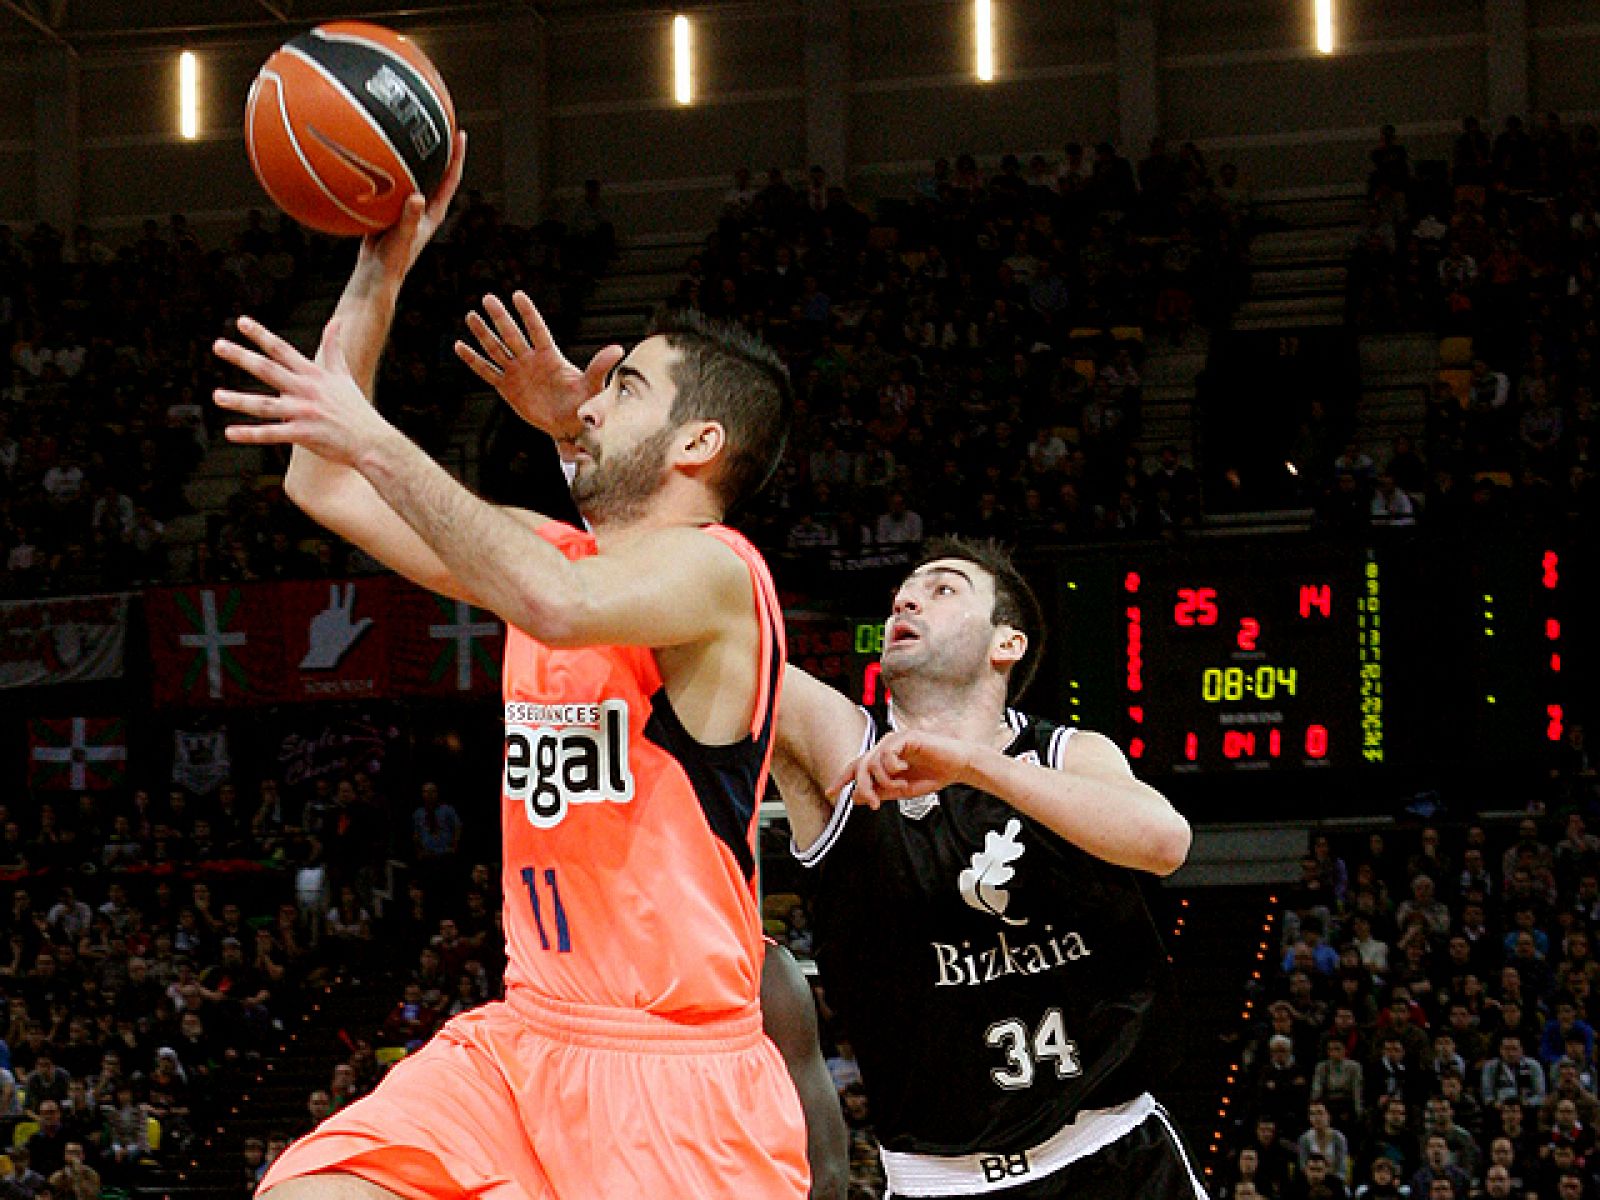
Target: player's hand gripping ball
pixel 347 121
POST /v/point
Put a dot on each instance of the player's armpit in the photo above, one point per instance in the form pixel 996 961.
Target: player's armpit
pixel 819 733
pixel 667 587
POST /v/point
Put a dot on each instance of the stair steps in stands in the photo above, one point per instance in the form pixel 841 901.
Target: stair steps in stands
pixel 1166 416
pixel 1298 265
pixel 1398 371
pixel 643 278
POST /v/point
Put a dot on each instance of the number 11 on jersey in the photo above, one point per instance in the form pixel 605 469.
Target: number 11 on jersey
pixel 531 878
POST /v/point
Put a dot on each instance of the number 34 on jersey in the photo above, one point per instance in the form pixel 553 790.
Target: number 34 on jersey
pixel 1027 1052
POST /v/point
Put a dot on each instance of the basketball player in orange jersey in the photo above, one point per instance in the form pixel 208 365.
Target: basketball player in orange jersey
pixel 642 670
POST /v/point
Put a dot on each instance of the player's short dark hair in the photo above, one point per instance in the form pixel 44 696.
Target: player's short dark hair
pixel 1014 602
pixel 728 375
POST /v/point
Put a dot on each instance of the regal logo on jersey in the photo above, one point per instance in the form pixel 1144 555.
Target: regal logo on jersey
pixel 558 755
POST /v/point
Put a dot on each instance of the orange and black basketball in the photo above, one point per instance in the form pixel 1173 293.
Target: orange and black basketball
pixel 346 121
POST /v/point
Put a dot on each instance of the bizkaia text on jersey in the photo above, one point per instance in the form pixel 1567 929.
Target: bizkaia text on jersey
pixel 965 967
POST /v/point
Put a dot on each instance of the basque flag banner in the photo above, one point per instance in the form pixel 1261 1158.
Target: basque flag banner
pixel 77 753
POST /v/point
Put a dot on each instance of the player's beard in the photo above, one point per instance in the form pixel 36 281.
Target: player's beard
pixel 615 491
pixel 947 659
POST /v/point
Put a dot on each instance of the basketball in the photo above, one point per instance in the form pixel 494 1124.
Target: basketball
pixel 344 122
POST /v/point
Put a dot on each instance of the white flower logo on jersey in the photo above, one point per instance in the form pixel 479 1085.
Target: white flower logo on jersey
pixel 983 883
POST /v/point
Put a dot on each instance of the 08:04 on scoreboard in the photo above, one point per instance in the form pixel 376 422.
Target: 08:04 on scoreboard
pixel 1233 667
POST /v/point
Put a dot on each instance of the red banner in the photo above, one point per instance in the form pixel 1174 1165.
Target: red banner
pixel 217 645
pixel 335 635
pixel 77 753
pixel 269 643
pixel 443 647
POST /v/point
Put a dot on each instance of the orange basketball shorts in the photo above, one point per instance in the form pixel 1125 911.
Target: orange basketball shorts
pixel 533 1098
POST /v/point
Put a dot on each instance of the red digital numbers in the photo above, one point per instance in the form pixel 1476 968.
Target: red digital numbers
pixel 1135 652
pixel 1275 743
pixel 1136 748
pixel 1191 746
pixel 1316 598
pixel 1555 730
pixel 1130 583
pixel 1238 743
pixel 1552 570
pixel 869 684
pixel 1249 630
pixel 1196 606
pixel 1317 741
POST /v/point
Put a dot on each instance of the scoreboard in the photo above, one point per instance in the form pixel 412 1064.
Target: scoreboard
pixel 1237 667
pixel 1263 655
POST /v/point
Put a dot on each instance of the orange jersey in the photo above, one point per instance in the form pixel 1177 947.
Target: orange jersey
pixel 629 847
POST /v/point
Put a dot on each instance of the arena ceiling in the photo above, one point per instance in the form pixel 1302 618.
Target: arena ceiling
pixel 85 24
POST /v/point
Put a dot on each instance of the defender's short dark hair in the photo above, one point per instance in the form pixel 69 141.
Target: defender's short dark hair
pixel 728 375
pixel 1014 601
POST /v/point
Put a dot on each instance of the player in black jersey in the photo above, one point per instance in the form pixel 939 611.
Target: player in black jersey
pixel 980 929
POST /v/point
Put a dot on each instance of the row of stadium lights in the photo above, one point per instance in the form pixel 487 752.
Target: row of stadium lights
pixel 1262 950
pixel 683 60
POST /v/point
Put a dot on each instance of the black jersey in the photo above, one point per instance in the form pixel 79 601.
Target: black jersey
pixel 994 979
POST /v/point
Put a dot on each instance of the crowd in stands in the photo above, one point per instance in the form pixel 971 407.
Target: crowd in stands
pixel 1429 1028
pixel 968 358
pixel 107 378
pixel 1497 251
pixel 154 947
pixel 105 388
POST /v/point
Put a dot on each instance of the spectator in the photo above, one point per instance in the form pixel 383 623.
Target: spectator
pixel 1318 1181
pixel 47 1148
pixel 24 1182
pixel 76 1180
pixel 1337 1084
pixel 1512 1076
pixel 127 1129
pixel 899 525
pixel 411 1022
pixel 1322 1140
pixel 1383 1182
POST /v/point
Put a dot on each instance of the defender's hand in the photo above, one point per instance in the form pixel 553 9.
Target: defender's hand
pixel 524 365
pixel 905 764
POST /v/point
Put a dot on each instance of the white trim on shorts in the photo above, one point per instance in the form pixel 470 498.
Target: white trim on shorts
pixel 1177 1144
pixel 966 1175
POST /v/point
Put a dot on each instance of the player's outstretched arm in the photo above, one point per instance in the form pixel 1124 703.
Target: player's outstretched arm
pixel 819 733
pixel 333 493
pixel 659 588
pixel 1092 800
pixel 790 1018
pixel 522 362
